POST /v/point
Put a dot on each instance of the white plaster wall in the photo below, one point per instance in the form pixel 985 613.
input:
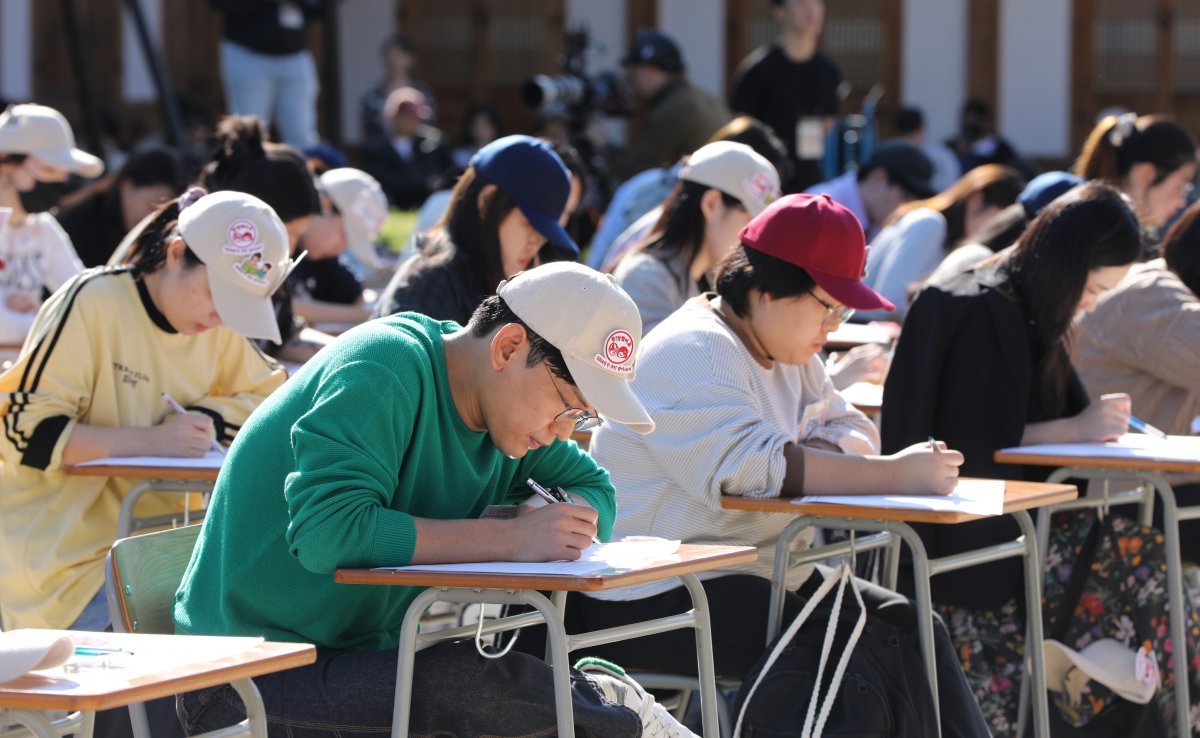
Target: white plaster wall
pixel 1034 85
pixel 362 27
pixel 16 49
pixel 137 81
pixel 605 21
pixel 934 60
pixel 698 26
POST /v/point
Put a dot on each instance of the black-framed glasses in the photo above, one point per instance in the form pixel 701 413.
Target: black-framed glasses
pixel 582 419
pixel 834 315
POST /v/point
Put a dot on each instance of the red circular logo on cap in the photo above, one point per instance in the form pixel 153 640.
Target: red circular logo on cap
pixel 242 234
pixel 618 347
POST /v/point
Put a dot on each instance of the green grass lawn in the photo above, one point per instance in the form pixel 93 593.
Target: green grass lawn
pixel 399 225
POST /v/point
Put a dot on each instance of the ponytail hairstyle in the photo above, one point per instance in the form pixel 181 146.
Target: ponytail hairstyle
pixel 1117 143
pixel 998 185
pixel 244 160
pixel 148 253
pixel 1091 227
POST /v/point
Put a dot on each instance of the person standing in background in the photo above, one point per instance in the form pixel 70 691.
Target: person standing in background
pixel 792 87
pixel 266 68
pixel 398 62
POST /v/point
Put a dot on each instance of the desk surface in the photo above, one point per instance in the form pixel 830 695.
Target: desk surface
pixel 690 559
pixel 849 335
pixel 1017 496
pixel 190 470
pixel 106 688
pixel 1145 460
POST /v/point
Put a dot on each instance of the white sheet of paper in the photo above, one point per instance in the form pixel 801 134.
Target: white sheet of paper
pixel 151 652
pixel 597 557
pixel 864 394
pixel 859 333
pixel 971 496
pixel 1128 446
pixel 210 460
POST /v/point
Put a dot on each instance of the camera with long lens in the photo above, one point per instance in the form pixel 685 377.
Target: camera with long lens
pixel 576 92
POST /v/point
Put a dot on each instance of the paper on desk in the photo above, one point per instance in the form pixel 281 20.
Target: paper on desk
pixel 970 496
pixel 597 557
pixel 859 333
pixel 137 654
pixel 864 394
pixel 1128 446
pixel 210 460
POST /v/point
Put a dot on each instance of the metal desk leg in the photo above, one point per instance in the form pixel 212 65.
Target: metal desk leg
pixel 924 607
pixel 779 579
pixel 406 656
pixel 556 636
pixel 559 599
pixel 1036 672
pixel 256 712
pixel 1176 593
pixel 704 657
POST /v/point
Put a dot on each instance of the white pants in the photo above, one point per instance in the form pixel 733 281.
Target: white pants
pixel 279 89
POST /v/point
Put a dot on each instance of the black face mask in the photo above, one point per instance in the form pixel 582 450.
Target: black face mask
pixel 43 196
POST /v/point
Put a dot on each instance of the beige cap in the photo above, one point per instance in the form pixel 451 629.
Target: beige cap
pixel 43 132
pixel 364 208
pixel 22 651
pixel 737 170
pixel 595 325
pixel 1131 674
pixel 245 247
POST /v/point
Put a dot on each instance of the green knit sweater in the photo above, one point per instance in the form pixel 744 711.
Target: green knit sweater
pixel 330 471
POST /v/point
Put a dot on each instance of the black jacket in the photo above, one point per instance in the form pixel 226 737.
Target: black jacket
pixel 408 183
pixel 963 373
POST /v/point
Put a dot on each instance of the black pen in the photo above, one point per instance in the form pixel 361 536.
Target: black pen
pixel 551 497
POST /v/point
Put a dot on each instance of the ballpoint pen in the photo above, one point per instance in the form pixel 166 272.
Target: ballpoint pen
pixel 1141 425
pixel 179 409
pixel 933 446
pixel 99 651
pixel 550 497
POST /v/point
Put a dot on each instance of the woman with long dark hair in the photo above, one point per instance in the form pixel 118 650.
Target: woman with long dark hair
pixel 503 211
pixel 984 363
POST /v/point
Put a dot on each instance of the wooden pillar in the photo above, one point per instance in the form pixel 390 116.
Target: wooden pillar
pixel 983 49
pixel 1083 70
pixel 1164 65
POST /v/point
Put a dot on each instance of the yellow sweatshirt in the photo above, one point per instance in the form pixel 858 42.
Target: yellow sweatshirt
pixel 100 354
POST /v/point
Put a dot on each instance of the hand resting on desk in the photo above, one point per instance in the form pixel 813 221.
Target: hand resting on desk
pixel 187 436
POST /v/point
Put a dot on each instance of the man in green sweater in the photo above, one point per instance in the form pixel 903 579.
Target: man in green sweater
pixel 383 451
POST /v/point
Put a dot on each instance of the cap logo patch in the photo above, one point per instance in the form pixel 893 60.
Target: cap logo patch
pixel 253 268
pixel 1146 666
pixel 759 187
pixel 242 238
pixel 618 352
pixel 366 207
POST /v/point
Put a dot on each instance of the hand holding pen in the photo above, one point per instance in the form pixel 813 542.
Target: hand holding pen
pixel 552 497
pixel 178 409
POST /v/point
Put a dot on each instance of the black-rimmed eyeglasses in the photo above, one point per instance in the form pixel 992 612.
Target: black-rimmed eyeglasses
pixel 582 419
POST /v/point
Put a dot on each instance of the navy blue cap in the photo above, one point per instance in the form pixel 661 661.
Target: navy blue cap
pixel 529 172
pixel 656 49
pixel 1044 189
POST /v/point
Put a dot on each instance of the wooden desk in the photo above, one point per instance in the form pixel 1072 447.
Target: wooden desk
pixel 894 527
pixel 93 689
pixel 1147 468
pixel 524 589
pixel 161 477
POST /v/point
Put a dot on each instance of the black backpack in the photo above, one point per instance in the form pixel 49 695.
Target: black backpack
pixel 880 695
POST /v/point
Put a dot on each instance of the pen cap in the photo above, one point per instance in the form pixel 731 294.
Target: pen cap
pixel 596 326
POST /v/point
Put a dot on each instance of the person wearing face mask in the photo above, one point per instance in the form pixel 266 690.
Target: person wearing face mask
pixel 37 154
pixel 984 363
pixel 1150 158
pixel 505 208
pixel 89 383
pixel 721 187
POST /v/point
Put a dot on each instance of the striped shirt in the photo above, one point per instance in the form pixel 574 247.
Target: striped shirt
pixel 722 419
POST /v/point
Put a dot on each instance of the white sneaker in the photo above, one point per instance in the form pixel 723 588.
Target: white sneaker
pixel 656 721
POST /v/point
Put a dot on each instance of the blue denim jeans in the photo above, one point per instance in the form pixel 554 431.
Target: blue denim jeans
pixel 279 89
pixel 456 694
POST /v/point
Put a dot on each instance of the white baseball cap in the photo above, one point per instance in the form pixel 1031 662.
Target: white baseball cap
pixel 596 326
pixel 245 247
pixel 364 208
pixel 737 170
pixel 43 132
pixel 1131 674
pixel 22 651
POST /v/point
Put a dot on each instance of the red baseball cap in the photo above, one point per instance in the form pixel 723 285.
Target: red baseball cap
pixel 821 237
